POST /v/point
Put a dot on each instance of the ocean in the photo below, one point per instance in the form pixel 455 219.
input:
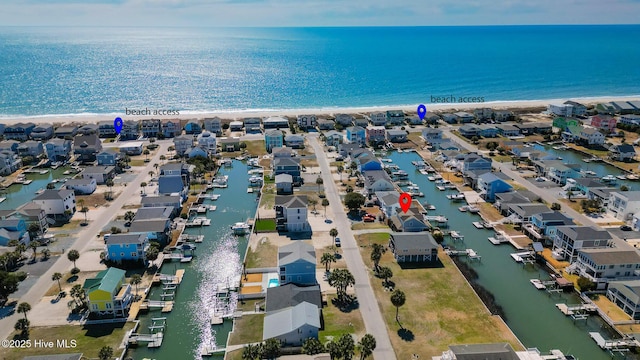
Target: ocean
pixel 61 71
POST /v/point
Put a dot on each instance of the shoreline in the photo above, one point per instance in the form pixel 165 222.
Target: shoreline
pixel 323 111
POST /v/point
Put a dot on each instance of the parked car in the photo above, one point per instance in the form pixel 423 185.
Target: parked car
pixel 625 228
pixel 338 244
pixel 368 219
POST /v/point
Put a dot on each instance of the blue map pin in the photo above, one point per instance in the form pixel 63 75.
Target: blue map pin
pixel 117 124
pixel 422 111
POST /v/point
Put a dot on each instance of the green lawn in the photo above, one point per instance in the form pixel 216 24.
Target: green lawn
pixel 337 322
pixel 265 225
pixel 137 162
pixel 268 196
pixel 441 308
pixel 371 225
pixel 89 339
pixel 247 329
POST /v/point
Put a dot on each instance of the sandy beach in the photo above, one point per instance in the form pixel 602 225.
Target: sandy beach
pixel 320 112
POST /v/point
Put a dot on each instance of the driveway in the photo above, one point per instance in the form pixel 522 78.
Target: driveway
pixel 369 309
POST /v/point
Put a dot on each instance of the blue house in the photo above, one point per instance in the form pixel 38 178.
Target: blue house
pixel 286 165
pixel 543 225
pixel 12 229
pixel 126 247
pixel 490 185
pixel 193 127
pixel 197 152
pixel 174 179
pixel 108 157
pixel 356 135
pixel 366 160
pixel 297 264
pixel 487 130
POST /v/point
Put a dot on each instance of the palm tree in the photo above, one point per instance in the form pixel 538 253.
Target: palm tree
pixel 333 233
pixel 136 279
pixel 84 210
pixel 34 247
pixel 251 352
pixel 155 166
pixel 163 158
pixel 146 153
pixel 319 182
pixel 397 299
pixel 33 230
pixel 24 308
pixel 385 273
pixel 367 345
pixel 334 350
pixel 341 279
pixel 325 203
pixel 45 253
pixel 151 173
pixel 376 254
pixel 340 170
pixel 78 295
pixel 347 346
pixel 110 184
pixel 312 346
pixel 73 255
pixel 144 186
pixel 56 277
pixel 129 216
pixel 313 202
pixel 106 353
pixel 327 259
pixel 22 325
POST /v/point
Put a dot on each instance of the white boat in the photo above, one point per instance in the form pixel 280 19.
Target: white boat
pixel 220 181
pixel 609 178
pixel 478 225
pixel 423 171
pixel 455 197
pixel 2 199
pixel 441 187
pixel 429 206
pixel 473 209
pixel 386 160
pixel 450 186
pixel 431 178
pixel 497 239
pixel 206 221
pixel 538 284
pixel 66 172
pixel 456 235
pixel 633 177
pixel 240 228
pixel 622 177
pixel 463 208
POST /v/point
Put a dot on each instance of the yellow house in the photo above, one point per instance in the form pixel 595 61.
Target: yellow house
pixel 108 294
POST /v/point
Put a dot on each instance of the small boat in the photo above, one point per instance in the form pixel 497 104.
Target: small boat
pixel 487 225
pixel 633 177
pixel 240 228
pixel 538 284
pixel 455 197
pixel 66 172
pixel 473 209
pixel 478 224
pixel 386 160
pixel 456 235
pixel 429 206
pixel 423 171
pixel 609 178
pixel 431 178
pixel 2 199
pixel 463 208
pixel 622 177
pixel 441 187
pixel 450 186
pixel 400 174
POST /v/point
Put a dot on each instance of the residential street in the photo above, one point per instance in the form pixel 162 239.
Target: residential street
pixel 369 309
pixel 85 240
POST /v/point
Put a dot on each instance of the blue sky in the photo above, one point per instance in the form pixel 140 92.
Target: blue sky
pixel 316 12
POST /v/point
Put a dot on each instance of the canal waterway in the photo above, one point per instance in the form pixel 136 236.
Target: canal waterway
pixel 529 312
pixel 218 260
pixel 18 194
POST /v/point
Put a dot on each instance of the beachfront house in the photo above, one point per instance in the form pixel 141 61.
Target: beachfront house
pixel 326 124
pixel 236 126
pixel 213 125
pixel 106 129
pixel 624 204
pixel 42 132
pixel 489 185
pixel 412 247
pixel 284 184
pixel 572 238
pixel 207 141
pixel 100 173
pixel 507 130
pixel 410 221
pixel 170 128
pixel 561 109
pixel 287 165
pixel 81 186
pixel 578 108
pixel 182 144
pixel 9 145
pixel 378 119
pixel 376 135
pixel 291 213
pixel 31 148
pixel 626 295
pixel 333 138
pixel 252 125
pixel 623 107
pixel 193 127
pixel 543 225
pixel 464 117
pixel 66 132
pixel 608 264
pixel 273 138
pixel 127 247
pixel 294 141
pixel 292 325
pixel 150 128
pixel 130 130
pixel 18 131
pixel 344 119
pixel 377 180
pixel 86 147
pixel 108 294
pixel 13 229
pixel 396 136
pixel 388 202
pixel 622 152
pixel 275 122
pixel 58 205
pixel 297 264
pixel 503 115
pixel 58 149
pixel 483 114
pixel 91 129
pixel 306 122
pixel 230 144
pixel 356 135
pixel 395 117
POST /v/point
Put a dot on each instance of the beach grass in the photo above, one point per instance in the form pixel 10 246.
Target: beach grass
pixel 441 308
pixel 89 340
pixel 247 329
pixel 264 255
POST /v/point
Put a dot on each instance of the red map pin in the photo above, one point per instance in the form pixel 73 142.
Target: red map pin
pixel 405 202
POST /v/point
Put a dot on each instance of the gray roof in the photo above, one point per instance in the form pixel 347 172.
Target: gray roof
pixel 286 320
pixel 11 222
pixel 99 169
pixel 497 351
pixel 584 232
pixel 602 192
pixel 295 251
pixel 410 241
pixel 73 182
pixel 274 133
pixel 281 150
pixel 75 356
pixel 171 167
pixel 613 256
pixel 160 199
pixel 623 148
pixel 148 225
pixel 512 197
pixel 281 297
pixel 286 161
pixel 554 216
pixel 158 212
pixel 371 176
pixel 294 138
pixel 291 201
pixel 629 288
pixel 526 210
pixel 589 130
pixel 126 239
pixel 590 183
pixel 284 178
pixel 489 177
pixel 53 194
pixel 388 197
pixel 393 132
pixel 629 195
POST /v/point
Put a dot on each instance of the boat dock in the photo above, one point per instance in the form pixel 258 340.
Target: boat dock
pixel 190 238
pixel 569 310
pixel 618 345
pixel 152 340
pixel 164 305
pixel 525 257
pixel 470 253
pixel 169 279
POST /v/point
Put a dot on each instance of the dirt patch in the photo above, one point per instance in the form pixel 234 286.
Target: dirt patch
pixel 250 278
pixel 250 289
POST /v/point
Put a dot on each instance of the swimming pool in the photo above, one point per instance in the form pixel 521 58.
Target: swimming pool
pixel 273 283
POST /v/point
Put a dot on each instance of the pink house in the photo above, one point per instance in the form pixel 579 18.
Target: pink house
pixel 376 134
pixel 604 122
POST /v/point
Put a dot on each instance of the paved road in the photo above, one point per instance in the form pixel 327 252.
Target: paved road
pixel 85 241
pixel 369 309
pixel 548 195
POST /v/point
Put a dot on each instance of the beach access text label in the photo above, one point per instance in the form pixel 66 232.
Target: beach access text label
pixel 450 99
pixel 147 111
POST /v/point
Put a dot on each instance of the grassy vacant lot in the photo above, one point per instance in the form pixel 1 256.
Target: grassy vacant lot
pixel 256 147
pixel 440 309
pixel 489 212
pixel 265 255
pixel 265 225
pixel 371 225
pixel 338 322
pixel 89 339
pixel 247 329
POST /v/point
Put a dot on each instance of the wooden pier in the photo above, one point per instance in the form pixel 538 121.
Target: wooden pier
pixel 470 253
pixel 617 345
pixel 152 340
pixel 569 310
